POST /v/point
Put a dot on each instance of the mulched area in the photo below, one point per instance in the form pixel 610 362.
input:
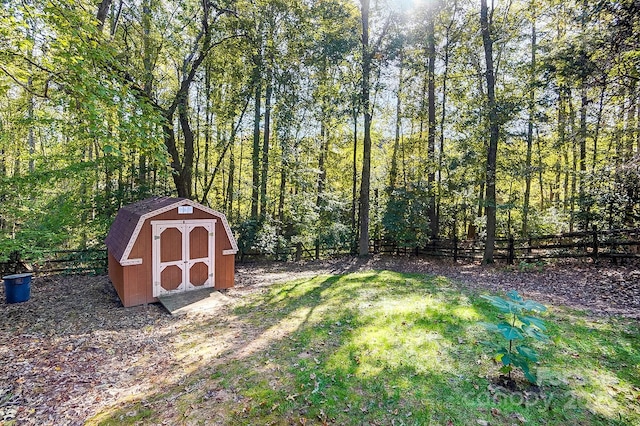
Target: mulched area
pixel 72 350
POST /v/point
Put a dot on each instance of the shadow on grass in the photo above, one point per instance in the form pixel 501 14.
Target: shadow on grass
pixel 370 348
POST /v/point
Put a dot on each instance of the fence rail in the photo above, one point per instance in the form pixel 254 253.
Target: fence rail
pixel 619 245
pixel 616 245
pixel 68 262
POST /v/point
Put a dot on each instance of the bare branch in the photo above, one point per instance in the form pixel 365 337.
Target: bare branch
pixel 23 85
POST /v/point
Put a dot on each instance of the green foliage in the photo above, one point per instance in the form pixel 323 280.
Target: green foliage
pixel 260 235
pixel 524 266
pixel 517 327
pixel 405 219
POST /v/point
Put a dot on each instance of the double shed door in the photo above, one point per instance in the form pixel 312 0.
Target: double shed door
pixel 183 255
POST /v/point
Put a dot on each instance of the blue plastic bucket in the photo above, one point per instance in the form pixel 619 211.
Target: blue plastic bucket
pixel 17 287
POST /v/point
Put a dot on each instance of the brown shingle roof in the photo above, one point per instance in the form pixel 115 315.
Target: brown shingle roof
pixel 127 219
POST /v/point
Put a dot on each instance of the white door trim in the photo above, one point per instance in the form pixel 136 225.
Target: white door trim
pixel 185 227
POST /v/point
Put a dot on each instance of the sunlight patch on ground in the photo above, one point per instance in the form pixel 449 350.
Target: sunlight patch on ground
pixel 466 313
pixel 601 389
pixel 284 328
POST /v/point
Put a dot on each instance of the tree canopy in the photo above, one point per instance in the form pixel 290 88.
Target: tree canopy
pixel 323 122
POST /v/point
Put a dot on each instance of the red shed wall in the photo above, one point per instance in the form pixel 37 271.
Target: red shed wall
pixel 116 275
pixel 138 279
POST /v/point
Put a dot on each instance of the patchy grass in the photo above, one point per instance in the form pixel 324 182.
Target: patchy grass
pixel 389 348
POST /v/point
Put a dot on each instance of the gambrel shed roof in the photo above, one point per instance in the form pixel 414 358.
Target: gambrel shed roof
pixel 126 227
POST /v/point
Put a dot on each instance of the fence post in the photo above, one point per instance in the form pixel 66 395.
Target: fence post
pixel 455 248
pixel 594 254
pixel 317 249
pixel 298 251
pixel 511 254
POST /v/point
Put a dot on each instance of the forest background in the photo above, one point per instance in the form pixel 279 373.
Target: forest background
pixel 329 121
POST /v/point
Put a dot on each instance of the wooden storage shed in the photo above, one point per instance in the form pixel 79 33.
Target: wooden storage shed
pixel 166 245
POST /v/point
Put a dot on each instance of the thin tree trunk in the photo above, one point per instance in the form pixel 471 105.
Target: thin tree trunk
pixel 423 101
pixel 31 135
pixel 431 117
pixel 630 122
pixel 582 162
pixel 638 121
pixel 255 156
pixel 230 142
pixel 596 134
pixel 572 171
pixel 230 181
pixel 540 171
pixel 282 191
pixel 445 75
pixel 265 146
pixel 393 171
pixel 239 203
pixel 208 124
pixel 471 233
pixel 494 135
pixel 363 243
pixel 354 175
pixel 572 198
pixel 532 103
pixel 322 157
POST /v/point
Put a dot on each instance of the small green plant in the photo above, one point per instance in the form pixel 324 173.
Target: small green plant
pixel 517 327
pixel 525 266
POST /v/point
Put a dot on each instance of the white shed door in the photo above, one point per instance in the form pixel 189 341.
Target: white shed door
pixel 183 255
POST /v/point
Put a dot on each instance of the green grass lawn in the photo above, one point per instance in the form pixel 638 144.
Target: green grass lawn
pixel 384 348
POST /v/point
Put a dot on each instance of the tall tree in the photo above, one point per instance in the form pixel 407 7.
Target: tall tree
pixel 365 182
pixel 530 120
pixel 431 137
pixel 494 129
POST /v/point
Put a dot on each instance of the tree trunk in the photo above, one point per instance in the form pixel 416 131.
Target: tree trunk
pixel 596 133
pixel 230 181
pixel 431 117
pixel 282 192
pixel 630 121
pixel 363 243
pixel 176 164
pixel 445 76
pixel 103 10
pixel 255 155
pixel 572 171
pixel 265 146
pixel 230 143
pixel 494 135
pixel 354 174
pixel 185 185
pixel 393 171
pixel 582 166
pixel 540 171
pixel 532 104
pixel 31 135
pixel 322 158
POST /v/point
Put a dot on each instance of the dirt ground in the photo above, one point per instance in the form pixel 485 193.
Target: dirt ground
pixel 72 350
